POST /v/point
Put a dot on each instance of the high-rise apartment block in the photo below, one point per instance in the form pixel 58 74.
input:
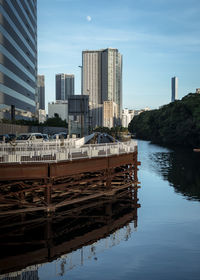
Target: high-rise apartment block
pixel 18 58
pixel 41 92
pixel 64 86
pixel 174 89
pixel 102 81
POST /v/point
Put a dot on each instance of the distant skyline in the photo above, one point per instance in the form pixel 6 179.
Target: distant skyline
pixel 158 39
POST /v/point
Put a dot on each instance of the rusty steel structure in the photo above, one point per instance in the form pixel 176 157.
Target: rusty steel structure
pixel 50 209
pixel 30 187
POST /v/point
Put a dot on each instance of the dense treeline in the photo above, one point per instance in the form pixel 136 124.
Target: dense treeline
pixel 117 132
pixel 55 121
pixel 176 124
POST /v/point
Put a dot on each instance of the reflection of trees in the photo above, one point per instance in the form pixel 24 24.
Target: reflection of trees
pixel 182 169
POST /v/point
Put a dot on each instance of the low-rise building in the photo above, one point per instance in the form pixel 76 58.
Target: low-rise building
pixel 127 116
pixel 59 107
pixel 78 115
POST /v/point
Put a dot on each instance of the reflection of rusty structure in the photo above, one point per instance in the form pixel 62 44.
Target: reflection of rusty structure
pixel 36 239
pixel 29 187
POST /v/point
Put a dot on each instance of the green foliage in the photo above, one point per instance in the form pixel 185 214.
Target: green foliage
pixel 56 121
pixel 33 122
pixel 116 131
pixel 177 123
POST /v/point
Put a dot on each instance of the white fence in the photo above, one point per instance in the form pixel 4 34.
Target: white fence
pixel 60 150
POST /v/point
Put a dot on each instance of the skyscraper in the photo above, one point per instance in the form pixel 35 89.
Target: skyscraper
pixel 18 58
pixel 174 89
pixel 41 92
pixel 112 78
pixel 64 86
pixel 102 81
pixel 91 63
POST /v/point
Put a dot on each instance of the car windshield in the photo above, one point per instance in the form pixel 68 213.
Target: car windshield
pixel 23 137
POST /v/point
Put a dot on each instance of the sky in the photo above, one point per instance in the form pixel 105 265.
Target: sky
pixel 158 39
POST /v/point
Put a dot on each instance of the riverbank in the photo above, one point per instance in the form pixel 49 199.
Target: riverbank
pixel 175 124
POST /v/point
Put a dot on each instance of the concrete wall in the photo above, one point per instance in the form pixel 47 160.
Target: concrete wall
pixel 12 128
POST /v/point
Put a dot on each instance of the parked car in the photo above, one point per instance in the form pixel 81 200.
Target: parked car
pixel 12 136
pixel 61 135
pixel 45 137
pixel 36 137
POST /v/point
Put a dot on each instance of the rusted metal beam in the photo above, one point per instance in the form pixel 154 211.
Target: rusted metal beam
pixel 25 171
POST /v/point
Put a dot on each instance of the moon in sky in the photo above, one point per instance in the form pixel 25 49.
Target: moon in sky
pixel 88 18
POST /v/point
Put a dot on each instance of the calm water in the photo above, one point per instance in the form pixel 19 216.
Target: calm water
pixel 163 239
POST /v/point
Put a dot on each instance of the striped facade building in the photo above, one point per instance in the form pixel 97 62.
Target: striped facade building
pixel 64 86
pixel 18 58
pixel 102 81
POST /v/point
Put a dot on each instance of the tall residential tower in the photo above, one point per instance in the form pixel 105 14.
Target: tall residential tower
pixel 64 86
pixel 174 89
pixel 102 81
pixel 18 58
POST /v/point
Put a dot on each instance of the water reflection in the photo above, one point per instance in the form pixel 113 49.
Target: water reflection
pixel 181 168
pixel 67 238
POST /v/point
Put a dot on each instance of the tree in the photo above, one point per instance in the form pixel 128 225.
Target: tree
pixel 56 121
pixel 177 123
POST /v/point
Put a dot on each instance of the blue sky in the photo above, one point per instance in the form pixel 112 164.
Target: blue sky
pixel 158 39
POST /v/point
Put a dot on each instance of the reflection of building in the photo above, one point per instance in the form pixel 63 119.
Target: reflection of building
pixel 64 86
pixel 41 92
pixel 102 81
pixel 60 107
pixel 78 110
pixel 174 89
pixel 18 59
pixel 110 114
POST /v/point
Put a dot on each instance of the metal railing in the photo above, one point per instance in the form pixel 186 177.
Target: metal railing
pixel 60 150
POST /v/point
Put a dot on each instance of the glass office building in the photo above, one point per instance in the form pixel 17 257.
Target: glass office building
pixel 18 58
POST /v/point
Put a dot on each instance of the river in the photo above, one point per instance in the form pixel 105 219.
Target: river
pixel 162 241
